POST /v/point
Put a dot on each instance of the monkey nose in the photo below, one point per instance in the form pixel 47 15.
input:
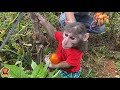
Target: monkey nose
pixel 66 42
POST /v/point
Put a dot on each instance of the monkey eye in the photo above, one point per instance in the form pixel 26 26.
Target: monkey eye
pixel 66 35
pixel 72 38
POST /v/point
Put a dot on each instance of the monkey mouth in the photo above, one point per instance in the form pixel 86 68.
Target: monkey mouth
pixel 65 47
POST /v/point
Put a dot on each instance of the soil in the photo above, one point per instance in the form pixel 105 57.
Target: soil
pixel 109 70
pixel 105 69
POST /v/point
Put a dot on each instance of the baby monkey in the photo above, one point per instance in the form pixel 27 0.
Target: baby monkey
pixel 72 43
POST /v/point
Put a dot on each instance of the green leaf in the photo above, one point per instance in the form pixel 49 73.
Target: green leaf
pixel 52 74
pixel 33 65
pixel 16 72
pixel 39 72
pixel 56 74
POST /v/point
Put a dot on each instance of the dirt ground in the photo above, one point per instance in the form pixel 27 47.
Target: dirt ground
pixel 109 70
pixel 105 69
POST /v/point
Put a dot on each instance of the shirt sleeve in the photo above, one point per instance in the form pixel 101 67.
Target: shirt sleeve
pixel 58 36
pixel 74 58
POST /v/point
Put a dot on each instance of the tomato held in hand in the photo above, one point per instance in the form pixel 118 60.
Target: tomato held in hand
pixel 54 58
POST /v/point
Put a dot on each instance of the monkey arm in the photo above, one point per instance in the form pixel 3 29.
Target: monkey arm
pixel 46 24
pixel 61 65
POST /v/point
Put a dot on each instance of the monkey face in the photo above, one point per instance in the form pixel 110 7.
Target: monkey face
pixel 69 40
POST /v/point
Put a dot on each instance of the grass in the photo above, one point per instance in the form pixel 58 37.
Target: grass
pixel 93 62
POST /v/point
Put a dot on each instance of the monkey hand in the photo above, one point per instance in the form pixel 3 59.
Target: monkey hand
pixel 51 66
pixel 48 62
pixel 46 59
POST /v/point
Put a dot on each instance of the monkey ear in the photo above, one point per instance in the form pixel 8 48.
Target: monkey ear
pixel 85 37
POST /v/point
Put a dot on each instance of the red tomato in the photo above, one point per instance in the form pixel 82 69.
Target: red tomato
pixel 54 58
